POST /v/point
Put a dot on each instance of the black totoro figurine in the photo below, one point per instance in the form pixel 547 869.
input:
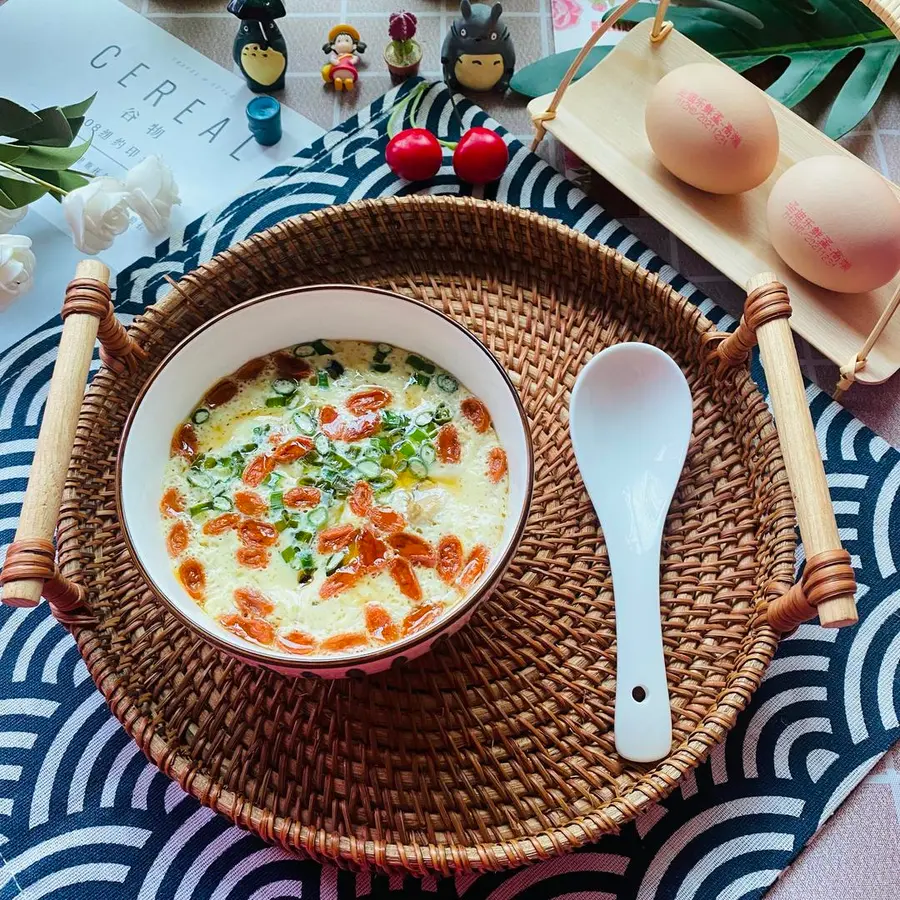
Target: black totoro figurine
pixel 259 49
pixel 478 51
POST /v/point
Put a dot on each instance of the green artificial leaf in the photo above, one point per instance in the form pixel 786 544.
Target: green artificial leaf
pixel 77 110
pixel 43 157
pixel 15 118
pixel 813 35
pixel 52 129
pixel 14 194
pixel 64 179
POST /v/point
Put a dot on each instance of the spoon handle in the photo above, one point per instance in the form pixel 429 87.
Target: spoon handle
pixel 643 717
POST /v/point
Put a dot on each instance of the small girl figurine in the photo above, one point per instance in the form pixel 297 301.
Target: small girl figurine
pixel 343 49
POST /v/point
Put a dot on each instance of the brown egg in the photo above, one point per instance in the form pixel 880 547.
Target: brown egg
pixel 711 128
pixel 836 222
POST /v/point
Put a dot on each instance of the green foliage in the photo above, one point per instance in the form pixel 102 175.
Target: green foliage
pixel 812 35
pixel 38 144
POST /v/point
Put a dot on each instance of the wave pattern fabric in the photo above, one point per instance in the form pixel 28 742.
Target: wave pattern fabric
pixel 84 816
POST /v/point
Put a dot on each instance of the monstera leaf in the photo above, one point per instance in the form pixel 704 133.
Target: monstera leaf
pixel 813 35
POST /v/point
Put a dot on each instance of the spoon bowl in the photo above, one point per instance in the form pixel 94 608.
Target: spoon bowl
pixel 630 418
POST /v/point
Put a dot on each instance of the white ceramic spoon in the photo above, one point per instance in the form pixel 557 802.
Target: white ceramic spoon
pixel 630 418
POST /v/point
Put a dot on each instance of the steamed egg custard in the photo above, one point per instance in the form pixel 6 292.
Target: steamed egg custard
pixel 333 497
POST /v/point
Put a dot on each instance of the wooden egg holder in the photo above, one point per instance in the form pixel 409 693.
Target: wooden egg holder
pixel 600 118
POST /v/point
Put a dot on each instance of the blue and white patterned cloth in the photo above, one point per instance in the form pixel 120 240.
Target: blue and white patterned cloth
pixel 83 815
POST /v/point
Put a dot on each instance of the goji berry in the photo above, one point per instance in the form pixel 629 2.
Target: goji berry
pixel 414 548
pixel 368 400
pixel 449 558
pixel 402 573
pixel 476 412
pixel 193 576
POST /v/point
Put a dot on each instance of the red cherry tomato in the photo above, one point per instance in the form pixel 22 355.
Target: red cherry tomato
pixel 480 156
pixel 414 154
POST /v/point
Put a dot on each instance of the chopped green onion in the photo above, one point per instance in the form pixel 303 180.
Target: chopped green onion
pixel 369 468
pixel 393 421
pixel 307 560
pixel 237 462
pixel 321 348
pixel 288 553
pixel 201 507
pixel 322 444
pixel 431 429
pixel 383 348
pixel 318 516
pixel 304 576
pixel 334 369
pixel 198 479
pixel 272 479
pixel 276 500
pixel 423 418
pixel 384 482
pixel 380 357
pixel 249 448
pixel 381 368
pixel 284 386
pixel 305 423
pixel 406 449
pixel 200 416
pixel 342 486
pixel 418 467
pixel 352 451
pixel 427 453
pixel 419 378
pixel 382 444
pixel 313 458
pixel 222 503
pixel 261 430
pixel 442 414
pixel 304 350
pixel 304 537
pixel 334 562
pixel 447 383
pixel 419 364
pixel 281 525
pixel 276 401
pixel 209 462
pixel 400 465
pixel 339 462
pixel 417 435
pixel 322 378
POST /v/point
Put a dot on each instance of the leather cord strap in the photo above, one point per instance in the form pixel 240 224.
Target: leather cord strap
pixel 91 297
pixel 827 575
pixel 765 304
pixel 36 558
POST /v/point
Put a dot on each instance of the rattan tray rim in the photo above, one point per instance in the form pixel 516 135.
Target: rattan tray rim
pixel 446 858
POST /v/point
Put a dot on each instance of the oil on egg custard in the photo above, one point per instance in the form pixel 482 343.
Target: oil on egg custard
pixel 333 497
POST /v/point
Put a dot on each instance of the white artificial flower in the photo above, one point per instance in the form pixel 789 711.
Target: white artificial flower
pixel 16 267
pixel 9 217
pixel 152 193
pixel 96 213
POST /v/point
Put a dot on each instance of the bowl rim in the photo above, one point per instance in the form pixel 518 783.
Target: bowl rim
pixel 247 651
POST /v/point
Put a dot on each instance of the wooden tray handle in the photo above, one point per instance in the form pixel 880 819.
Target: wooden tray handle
pixel 828 584
pixel 657 33
pixel 30 568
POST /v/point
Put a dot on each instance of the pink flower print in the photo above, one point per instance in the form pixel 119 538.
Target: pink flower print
pixel 566 13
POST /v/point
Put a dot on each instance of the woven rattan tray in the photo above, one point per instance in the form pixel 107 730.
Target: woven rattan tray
pixel 495 749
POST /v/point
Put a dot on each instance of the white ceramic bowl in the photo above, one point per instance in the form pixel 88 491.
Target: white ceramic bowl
pixel 270 323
